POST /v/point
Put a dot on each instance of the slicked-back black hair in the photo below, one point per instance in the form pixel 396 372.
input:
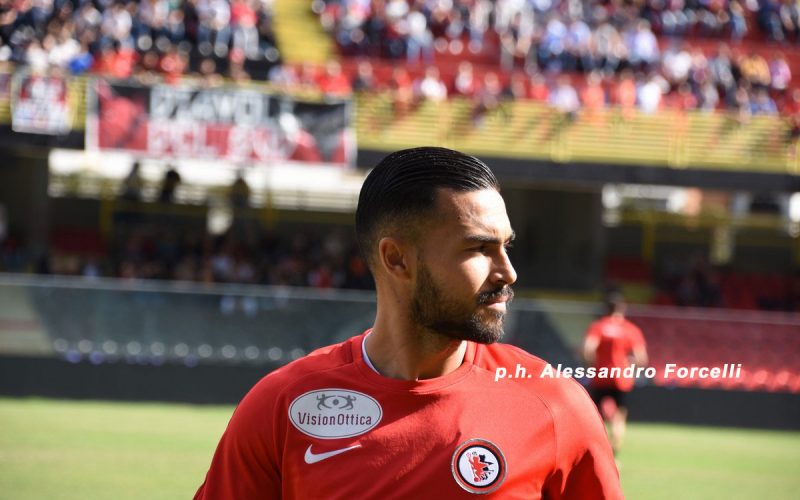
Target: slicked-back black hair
pixel 403 186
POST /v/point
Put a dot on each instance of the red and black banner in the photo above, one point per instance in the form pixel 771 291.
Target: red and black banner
pixel 233 124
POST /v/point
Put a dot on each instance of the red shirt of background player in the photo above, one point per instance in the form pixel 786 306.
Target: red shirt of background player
pixel 616 339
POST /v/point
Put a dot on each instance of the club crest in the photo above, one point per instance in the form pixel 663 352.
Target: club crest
pixel 478 466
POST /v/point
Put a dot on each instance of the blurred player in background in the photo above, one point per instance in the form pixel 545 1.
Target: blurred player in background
pixel 416 407
pixel 614 342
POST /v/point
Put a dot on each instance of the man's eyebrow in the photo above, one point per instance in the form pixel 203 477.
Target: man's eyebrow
pixel 483 238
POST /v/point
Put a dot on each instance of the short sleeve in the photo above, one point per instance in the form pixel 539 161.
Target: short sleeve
pixel 245 464
pixel 585 466
pixel 636 337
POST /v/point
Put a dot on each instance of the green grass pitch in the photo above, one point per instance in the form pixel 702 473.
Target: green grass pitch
pixel 96 450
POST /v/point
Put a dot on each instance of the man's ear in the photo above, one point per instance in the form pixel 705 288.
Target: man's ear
pixel 395 257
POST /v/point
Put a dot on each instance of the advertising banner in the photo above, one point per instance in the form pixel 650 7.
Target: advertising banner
pixel 234 124
pixel 40 105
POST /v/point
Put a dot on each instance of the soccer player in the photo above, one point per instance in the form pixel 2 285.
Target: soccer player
pixel 420 405
pixel 614 342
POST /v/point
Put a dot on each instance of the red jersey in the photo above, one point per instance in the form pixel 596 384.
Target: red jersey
pixel 329 426
pixel 617 338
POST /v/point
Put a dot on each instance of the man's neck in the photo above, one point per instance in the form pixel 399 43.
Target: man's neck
pixel 406 354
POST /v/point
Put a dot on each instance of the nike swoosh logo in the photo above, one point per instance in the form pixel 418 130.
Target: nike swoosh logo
pixel 312 458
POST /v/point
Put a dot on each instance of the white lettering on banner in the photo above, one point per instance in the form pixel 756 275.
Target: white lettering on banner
pixel 186 139
pixel 208 106
pixel 247 143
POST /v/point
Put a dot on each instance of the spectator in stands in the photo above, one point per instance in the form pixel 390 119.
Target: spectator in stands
pixel 334 82
pixel 642 46
pixel 740 104
pixel 82 61
pixel 675 20
pixel 538 89
pixel 708 96
pixel 285 78
pixel 464 83
pixel 578 42
pixel 112 35
pixel 402 89
pixel 681 101
pixel 762 104
pixel 553 44
pixel 243 25
pixel 239 193
pixel 627 94
pixel 593 99
pixel 517 88
pixel 169 185
pixel 364 78
pixel 213 29
pixel 308 78
pixel 115 60
pixel 738 19
pixel 650 91
pixel 790 19
pixel 699 72
pixel 614 342
pixel 779 72
pixel 722 71
pixel 173 64
pixel 115 28
pixel 792 112
pixel 755 70
pixel 150 22
pixel 676 65
pixel 515 40
pixel 769 19
pixel 36 57
pixel 430 87
pixel 564 98
pixel 608 48
pixel 487 99
pixel 419 40
pixel 208 74
pixel 132 185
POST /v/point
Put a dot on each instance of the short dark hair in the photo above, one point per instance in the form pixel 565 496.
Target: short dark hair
pixel 615 301
pixel 402 188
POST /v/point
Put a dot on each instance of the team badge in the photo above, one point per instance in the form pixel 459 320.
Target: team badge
pixel 479 466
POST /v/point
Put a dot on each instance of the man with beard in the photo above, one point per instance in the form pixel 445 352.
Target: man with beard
pixel 426 404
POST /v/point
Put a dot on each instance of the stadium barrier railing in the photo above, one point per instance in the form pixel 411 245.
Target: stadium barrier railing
pixel 104 320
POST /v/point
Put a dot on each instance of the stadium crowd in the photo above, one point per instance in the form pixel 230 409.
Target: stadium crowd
pixel 694 282
pixel 610 49
pixel 152 251
pixel 134 38
pixel 571 54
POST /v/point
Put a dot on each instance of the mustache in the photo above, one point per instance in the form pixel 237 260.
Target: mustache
pixel 503 292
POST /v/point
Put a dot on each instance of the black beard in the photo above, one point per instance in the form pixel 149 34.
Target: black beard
pixel 432 310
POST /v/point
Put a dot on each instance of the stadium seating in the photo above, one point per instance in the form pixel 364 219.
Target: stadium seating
pixel 160 323
pixel 557 37
pixel 767 345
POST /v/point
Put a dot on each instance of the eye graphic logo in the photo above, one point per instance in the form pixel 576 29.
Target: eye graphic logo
pixel 333 413
pixel 478 466
pixel 335 402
